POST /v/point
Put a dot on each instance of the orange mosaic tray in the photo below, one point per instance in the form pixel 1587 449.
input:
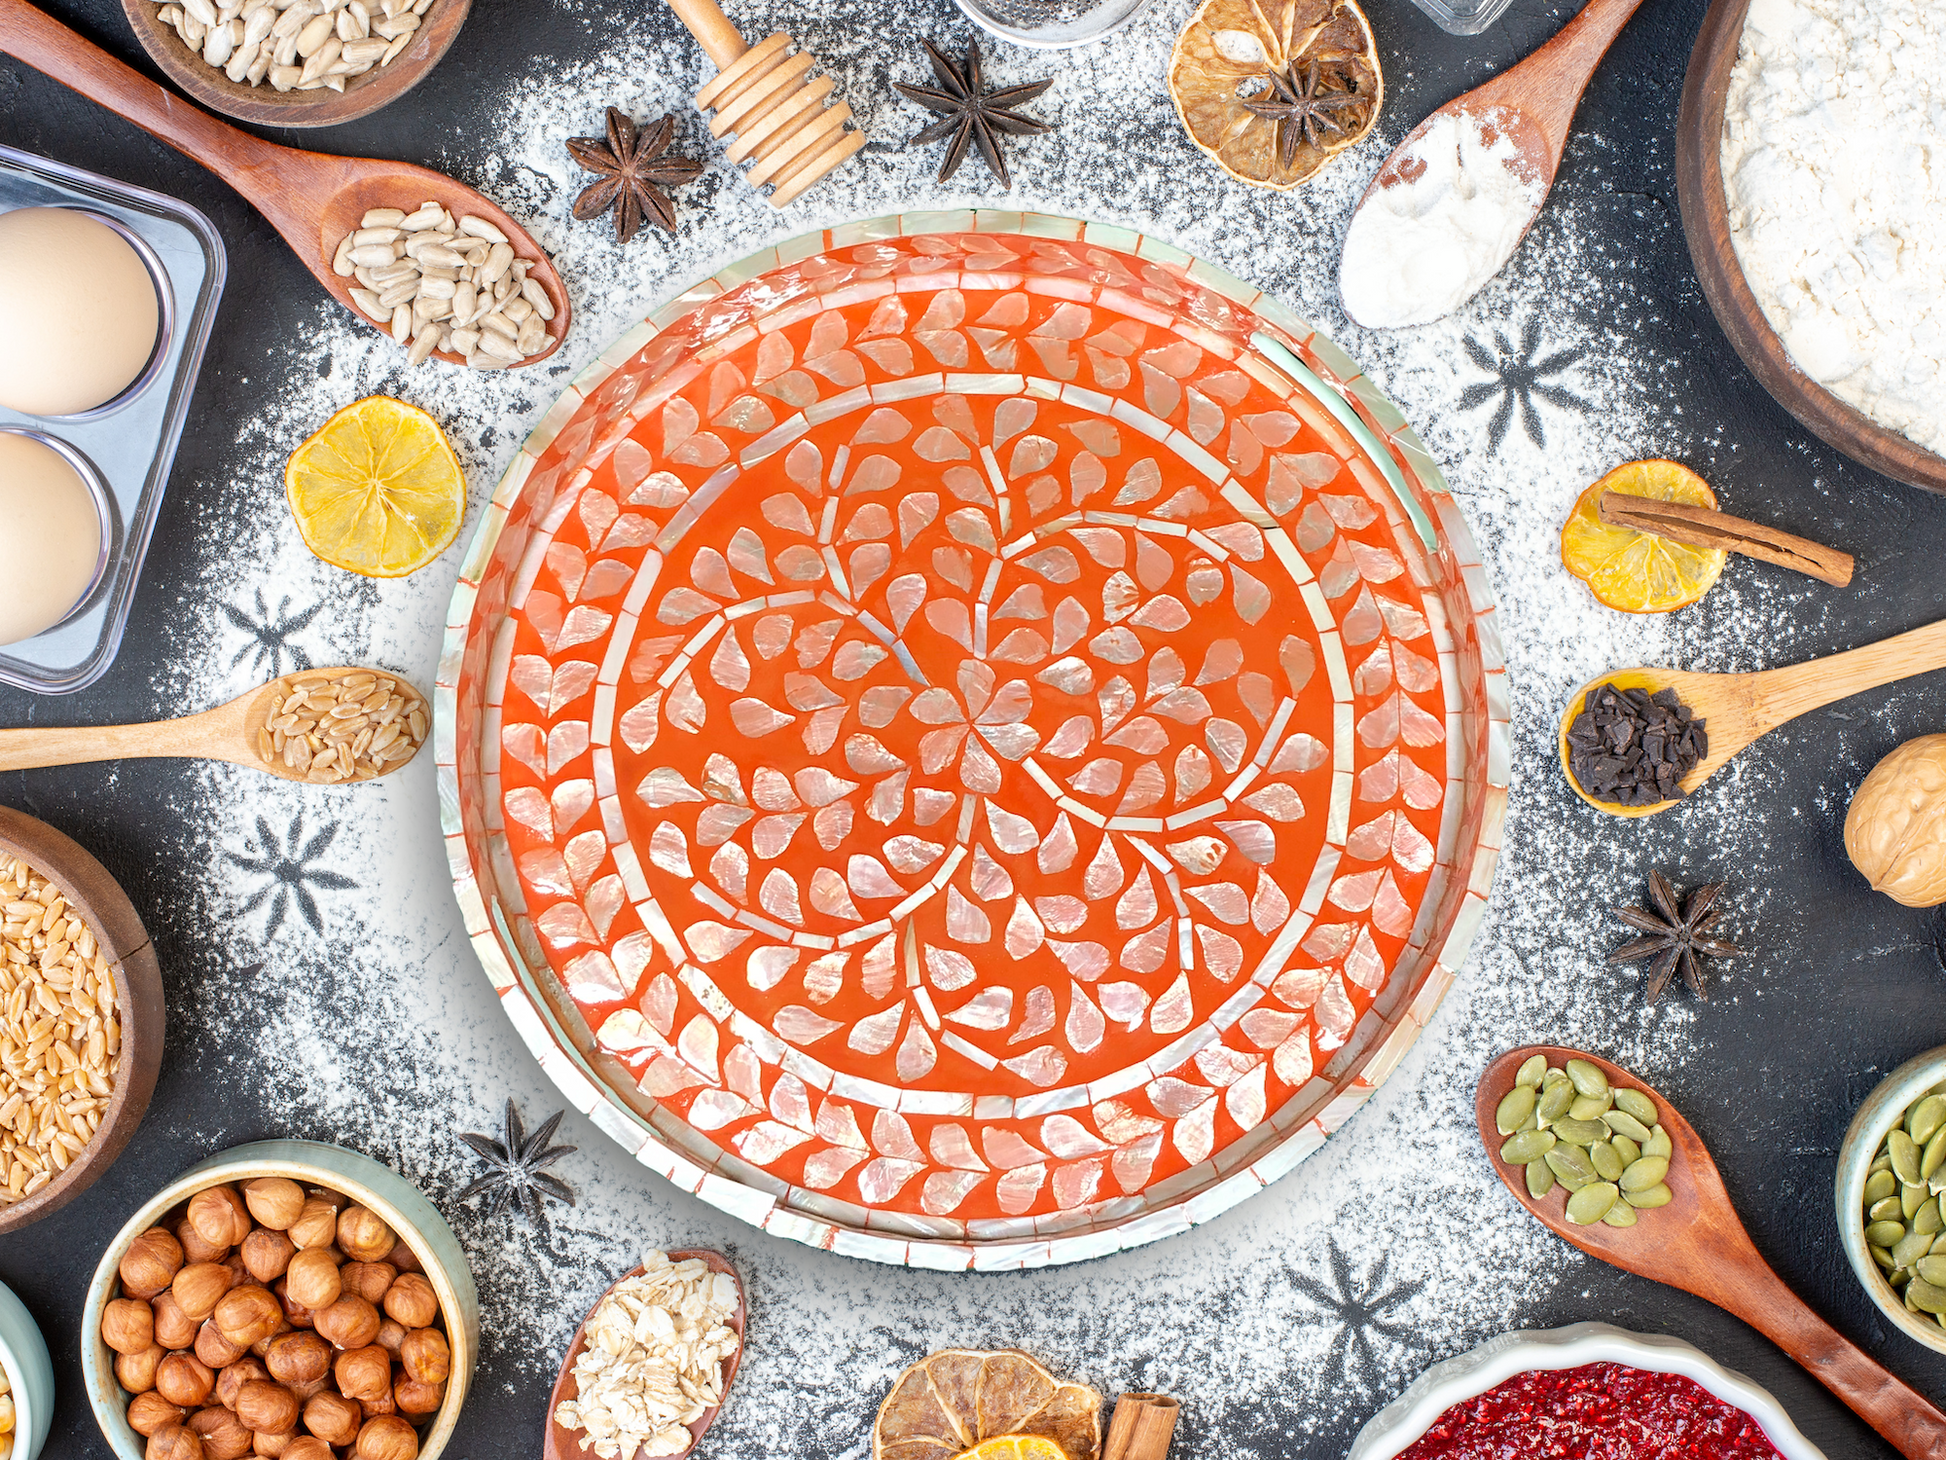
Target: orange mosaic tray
pixel 968 742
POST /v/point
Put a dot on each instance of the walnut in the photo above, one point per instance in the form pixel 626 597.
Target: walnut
pixel 1895 831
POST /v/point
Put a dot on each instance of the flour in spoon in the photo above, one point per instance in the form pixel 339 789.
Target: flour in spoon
pixel 1418 250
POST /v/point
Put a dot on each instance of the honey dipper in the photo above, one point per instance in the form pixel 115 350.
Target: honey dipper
pixel 784 123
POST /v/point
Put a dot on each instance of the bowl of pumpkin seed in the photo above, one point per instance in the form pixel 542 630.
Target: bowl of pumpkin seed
pixel 1890 1187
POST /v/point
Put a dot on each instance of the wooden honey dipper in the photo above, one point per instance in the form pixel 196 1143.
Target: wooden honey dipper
pixel 761 97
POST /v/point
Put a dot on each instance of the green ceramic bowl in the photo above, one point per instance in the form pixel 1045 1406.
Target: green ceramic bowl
pixel 23 1354
pixel 310 1163
pixel 1884 1108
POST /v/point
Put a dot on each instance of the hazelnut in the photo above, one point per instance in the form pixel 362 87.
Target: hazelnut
pixel 297 1358
pixel 369 1280
pixel 239 1274
pixel 274 1202
pixel 333 1418
pixel 363 1373
pixel 317 1222
pixel 295 1314
pixel 391 1333
pixel 230 1382
pixel 151 1261
pixel 128 1325
pixel 412 1301
pixel 194 1248
pixel 363 1234
pixel 387 1437
pixel 273 1445
pixel 381 1405
pixel 173 1327
pixel 351 1322
pixel 173 1442
pixel 184 1379
pixel 413 1397
pixel 224 1435
pixel 150 1412
pixel 310 1387
pixel 307 1447
pixel 267 1408
pixel 136 1372
pixel 403 1258
pixel 214 1349
pixel 425 1355
pixel 199 1287
pixel 262 1345
pixel 248 1314
pixel 266 1253
pixel 313 1279
pixel 219 1216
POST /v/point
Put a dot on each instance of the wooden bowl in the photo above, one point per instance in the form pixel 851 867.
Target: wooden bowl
pixel 1706 226
pixel 267 106
pixel 86 885
pixel 404 1208
pixel 561 1443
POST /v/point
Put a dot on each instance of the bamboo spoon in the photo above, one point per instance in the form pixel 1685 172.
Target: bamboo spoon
pixel 227 732
pixel 1742 707
pixel 760 94
pixel 313 199
pixel 1532 104
pixel 561 1443
pixel 1698 1244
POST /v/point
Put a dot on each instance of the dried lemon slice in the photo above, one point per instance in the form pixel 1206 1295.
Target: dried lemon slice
pixel 1016 1447
pixel 1634 571
pixel 1274 89
pixel 377 490
pixel 958 1400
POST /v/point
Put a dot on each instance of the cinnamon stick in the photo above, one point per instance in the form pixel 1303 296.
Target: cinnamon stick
pixel 1141 1428
pixel 1701 527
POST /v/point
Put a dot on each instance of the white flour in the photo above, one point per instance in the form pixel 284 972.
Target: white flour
pixel 1832 148
pixel 1420 249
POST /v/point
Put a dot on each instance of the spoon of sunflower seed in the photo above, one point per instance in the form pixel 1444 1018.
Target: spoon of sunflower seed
pixel 319 726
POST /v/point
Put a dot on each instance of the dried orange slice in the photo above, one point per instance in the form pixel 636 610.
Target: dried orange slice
pixel 1639 572
pixel 963 1402
pixel 1274 89
pixel 377 490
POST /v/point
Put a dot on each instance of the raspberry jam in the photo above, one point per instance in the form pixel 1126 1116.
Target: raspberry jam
pixel 1595 1412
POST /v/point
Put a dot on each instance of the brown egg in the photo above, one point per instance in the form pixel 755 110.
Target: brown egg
pixel 128 1325
pixel 174 1442
pixel 350 1322
pixel 152 1260
pixel 333 1418
pixel 136 1372
pixel 267 1408
pixel 387 1437
pixel 184 1379
pixel 426 1356
pixel 312 1279
pixel 266 1252
pixel 297 1358
pixel 148 1413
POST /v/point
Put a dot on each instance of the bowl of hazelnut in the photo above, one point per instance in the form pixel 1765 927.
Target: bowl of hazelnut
pixel 26 1381
pixel 285 1299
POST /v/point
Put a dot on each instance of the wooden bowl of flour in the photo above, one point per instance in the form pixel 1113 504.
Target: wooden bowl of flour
pixel 1706 226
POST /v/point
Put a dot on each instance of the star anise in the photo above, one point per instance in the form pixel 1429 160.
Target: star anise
pixel 971 113
pixel 516 1177
pixel 1678 935
pixel 1303 112
pixel 632 168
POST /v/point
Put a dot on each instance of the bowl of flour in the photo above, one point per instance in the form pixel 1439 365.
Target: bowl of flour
pixel 1817 226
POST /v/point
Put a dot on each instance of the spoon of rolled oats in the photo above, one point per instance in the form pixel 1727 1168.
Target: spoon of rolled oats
pixel 320 726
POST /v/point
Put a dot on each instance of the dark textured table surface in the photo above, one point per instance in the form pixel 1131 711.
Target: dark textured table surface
pixel 320 986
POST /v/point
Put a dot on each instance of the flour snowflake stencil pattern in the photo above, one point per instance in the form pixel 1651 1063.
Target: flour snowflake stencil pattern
pixel 1521 375
pixel 268 644
pixel 287 867
pixel 1362 1311
pixel 970 754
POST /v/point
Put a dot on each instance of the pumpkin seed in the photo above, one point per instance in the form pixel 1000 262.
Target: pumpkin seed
pixel 1905 1156
pixel 1658 1143
pixel 1883 1234
pixel 1910 1248
pixel 1932 1269
pixel 1619 1215
pixel 1900 1277
pixel 1649 1197
pixel 1626 1149
pixel 1645 1173
pixel 1883 1163
pixel 1925 1297
pixel 1927 1219
pixel 1925 1119
pixel 1606 1161
pixel 1933 1155
pixel 1624 1124
pixel 1531 1072
pixel 1888 1210
pixel 1882 1257
pixel 1588 1107
pixel 1592 1203
pixel 1638 1105
pixel 1879 1185
pixel 1939 1246
pixel 1587 1078
pixel 1515 1108
pixel 1911 1198
pixel 1540 1179
pixel 1572 1175
pixel 1580 1132
pixel 1555 1100
pixel 1528 1145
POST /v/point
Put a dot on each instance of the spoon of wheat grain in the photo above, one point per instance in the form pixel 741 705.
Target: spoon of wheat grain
pixel 1741 708
pixel 319 726
pixel 313 199
pixel 1697 1243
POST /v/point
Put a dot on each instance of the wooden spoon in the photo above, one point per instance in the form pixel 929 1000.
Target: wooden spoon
pixel 1697 1243
pixel 313 199
pixel 1532 104
pixel 1742 707
pixel 227 732
pixel 561 1443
